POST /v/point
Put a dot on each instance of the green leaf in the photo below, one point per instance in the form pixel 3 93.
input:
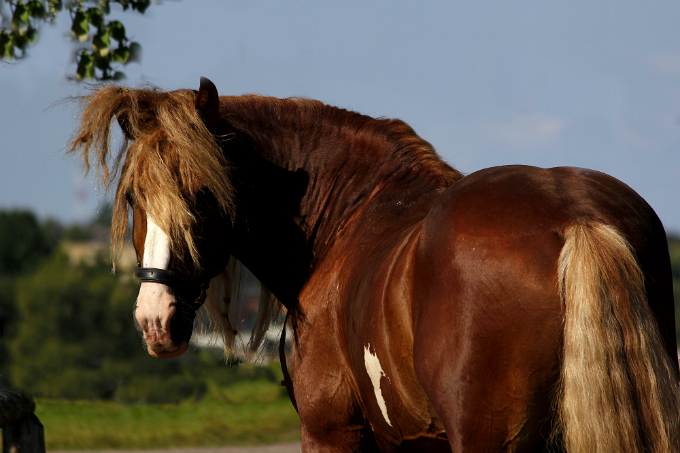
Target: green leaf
pixel 6 45
pixel 141 5
pixel 31 36
pixel 81 26
pixel 102 63
pixel 118 76
pixel 95 16
pixel 101 43
pixel 20 41
pixel 20 17
pixel 121 54
pixel 36 9
pixel 85 65
pixel 117 30
pixel 54 6
pixel 105 7
pixel 21 13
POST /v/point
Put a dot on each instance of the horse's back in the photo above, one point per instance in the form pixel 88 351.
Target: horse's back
pixel 488 317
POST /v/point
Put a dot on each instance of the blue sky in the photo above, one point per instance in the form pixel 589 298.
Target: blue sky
pixel 588 84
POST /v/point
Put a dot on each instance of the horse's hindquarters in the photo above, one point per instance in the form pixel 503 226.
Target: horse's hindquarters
pixel 489 316
pixel 488 331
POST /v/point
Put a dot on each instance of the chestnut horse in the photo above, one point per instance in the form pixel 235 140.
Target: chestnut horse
pixel 514 309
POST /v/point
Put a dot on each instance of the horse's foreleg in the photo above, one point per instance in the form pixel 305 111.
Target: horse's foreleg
pixel 330 417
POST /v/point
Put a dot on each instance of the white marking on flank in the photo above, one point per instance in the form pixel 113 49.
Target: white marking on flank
pixel 156 246
pixel 375 372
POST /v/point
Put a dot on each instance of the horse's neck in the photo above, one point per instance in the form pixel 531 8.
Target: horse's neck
pixel 347 171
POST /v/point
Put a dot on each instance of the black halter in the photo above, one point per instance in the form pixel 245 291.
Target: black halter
pixel 191 294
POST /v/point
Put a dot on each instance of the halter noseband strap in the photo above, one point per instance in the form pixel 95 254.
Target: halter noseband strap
pixel 191 294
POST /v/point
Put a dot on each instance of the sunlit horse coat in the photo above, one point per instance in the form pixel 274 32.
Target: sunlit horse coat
pixel 501 311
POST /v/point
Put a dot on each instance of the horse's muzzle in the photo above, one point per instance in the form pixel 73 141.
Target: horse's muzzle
pixel 163 321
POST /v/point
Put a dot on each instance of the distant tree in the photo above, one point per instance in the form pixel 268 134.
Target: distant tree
pixel 23 242
pixel 78 233
pixel 73 320
pixel 93 36
pixel 674 249
pixel 75 339
pixel 104 215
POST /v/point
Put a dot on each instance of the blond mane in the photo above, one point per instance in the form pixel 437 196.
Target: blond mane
pixel 167 157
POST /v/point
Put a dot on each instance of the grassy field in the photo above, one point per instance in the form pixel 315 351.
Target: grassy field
pixel 244 413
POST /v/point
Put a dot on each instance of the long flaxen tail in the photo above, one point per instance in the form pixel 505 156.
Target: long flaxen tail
pixel 619 389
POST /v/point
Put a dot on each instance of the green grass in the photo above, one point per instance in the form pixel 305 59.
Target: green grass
pixel 244 413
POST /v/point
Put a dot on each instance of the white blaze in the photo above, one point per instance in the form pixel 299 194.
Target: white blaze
pixel 375 372
pixel 155 302
pixel 156 246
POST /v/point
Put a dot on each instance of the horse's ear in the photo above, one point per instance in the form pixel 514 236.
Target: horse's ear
pixel 207 102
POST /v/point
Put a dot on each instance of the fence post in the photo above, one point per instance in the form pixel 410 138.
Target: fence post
pixel 22 432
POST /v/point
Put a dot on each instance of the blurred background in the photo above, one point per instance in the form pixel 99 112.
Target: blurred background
pixel 588 84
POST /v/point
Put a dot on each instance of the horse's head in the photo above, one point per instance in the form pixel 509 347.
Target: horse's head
pixel 174 178
pixel 173 284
